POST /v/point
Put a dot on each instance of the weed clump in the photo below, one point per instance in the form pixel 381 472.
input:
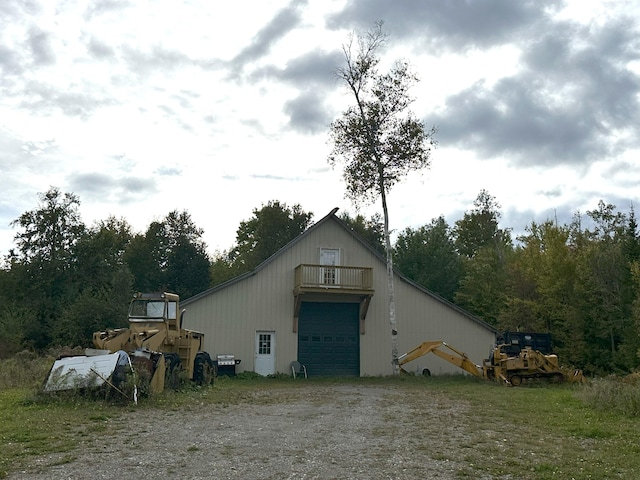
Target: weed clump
pixel 614 394
pixel 24 370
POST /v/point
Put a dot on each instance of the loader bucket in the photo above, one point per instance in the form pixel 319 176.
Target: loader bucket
pixel 151 369
pixel 69 373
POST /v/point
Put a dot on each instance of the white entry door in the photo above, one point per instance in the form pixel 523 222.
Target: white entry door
pixel 265 363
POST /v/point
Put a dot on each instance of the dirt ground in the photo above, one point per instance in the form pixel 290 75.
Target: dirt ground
pixel 317 431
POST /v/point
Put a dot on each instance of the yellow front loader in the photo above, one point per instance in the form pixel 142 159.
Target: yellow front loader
pixel 155 342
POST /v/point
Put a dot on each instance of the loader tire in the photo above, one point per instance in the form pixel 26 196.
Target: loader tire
pixel 203 369
pixel 515 380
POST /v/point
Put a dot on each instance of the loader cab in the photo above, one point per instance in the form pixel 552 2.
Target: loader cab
pixel 151 308
pixel 514 342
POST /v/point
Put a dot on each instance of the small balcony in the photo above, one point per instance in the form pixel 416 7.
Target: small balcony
pixel 315 280
pixel 333 279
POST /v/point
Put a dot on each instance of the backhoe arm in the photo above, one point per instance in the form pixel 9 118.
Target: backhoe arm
pixel 460 359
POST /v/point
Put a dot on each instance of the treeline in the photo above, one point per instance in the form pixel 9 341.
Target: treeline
pixel 64 280
pixel 581 284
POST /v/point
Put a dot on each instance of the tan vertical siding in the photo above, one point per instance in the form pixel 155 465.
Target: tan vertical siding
pixel 230 316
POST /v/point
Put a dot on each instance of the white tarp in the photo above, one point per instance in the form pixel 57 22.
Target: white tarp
pixel 83 371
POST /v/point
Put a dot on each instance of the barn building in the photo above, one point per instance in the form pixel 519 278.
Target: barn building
pixel 322 300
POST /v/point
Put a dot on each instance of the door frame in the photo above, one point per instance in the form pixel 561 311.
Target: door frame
pixel 267 361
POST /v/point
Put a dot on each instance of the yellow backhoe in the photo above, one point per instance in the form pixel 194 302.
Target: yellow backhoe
pixel 505 363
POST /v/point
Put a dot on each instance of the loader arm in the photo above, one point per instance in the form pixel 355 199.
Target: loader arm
pixel 459 359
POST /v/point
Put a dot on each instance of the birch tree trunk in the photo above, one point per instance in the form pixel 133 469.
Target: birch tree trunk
pixel 390 288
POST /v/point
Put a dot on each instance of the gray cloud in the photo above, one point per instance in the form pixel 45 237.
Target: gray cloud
pixel 10 63
pixel 307 113
pixel 313 76
pixel 572 97
pixel 82 102
pixel 445 26
pixel 168 172
pixel 103 7
pixel 277 178
pixel 41 49
pixel 31 50
pixel 13 10
pixel 157 59
pixel 563 214
pixel 315 68
pixel 108 188
pixel 99 49
pixel 511 119
pixel 277 28
pixel 40 147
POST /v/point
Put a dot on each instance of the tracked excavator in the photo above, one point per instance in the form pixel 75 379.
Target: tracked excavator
pixel 154 345
pixel 510 363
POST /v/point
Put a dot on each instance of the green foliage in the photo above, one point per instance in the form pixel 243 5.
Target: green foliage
pixel 486 250
pixel 271 227
pixel 482 286
pixel 170 256
pixel 222 268
pixel 100 253
pixel 580 284
pixel 104 285
pixel 50 232
pixel 188 269
pixel 478 228
pixel 244 376
pixel 371 231
pixel 427 255
pixel 16 323
pixel 143 263
pixel 90 311
pixel 542 276
pixel 43 268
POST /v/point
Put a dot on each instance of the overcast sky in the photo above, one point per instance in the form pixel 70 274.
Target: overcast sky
pixel 144 107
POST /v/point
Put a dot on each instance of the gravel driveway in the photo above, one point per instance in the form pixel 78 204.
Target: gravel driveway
pixel 311 431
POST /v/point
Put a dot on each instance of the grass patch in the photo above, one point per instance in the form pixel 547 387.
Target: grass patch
pixel 32 426
pixel 542 432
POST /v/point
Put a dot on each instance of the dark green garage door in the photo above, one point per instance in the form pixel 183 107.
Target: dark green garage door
pixel 329 338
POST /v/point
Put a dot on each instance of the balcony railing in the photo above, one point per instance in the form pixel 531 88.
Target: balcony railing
pixel 333 278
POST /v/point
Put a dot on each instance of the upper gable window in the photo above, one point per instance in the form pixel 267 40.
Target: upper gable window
pixel 329 257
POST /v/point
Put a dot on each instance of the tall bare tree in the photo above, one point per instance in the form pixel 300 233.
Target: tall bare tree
pixel 378 138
